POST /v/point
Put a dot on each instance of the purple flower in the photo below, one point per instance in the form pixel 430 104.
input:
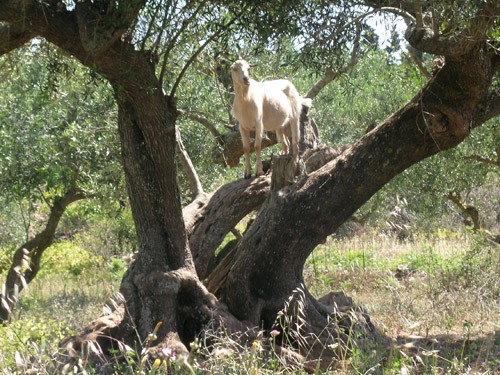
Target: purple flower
pixel 169 353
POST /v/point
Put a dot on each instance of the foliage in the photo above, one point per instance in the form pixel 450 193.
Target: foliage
pixel 28 343
pixel 48 135
pixel 427 184
pixel 68 258
pixel 346 108
pixel 103 228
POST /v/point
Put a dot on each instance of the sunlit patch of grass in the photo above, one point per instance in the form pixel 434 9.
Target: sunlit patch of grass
pixel 61 295
pixel 50 309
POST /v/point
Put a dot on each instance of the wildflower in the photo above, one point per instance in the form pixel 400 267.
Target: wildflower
pixel 333 346
pixel 156 364
pixel 158 326
pixel 274 333
pixel 195 345
pixel 169 353
pixel 221 353
pixel 256 347
pixel 151 337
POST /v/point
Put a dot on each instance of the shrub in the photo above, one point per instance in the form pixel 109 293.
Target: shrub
pixel 68 258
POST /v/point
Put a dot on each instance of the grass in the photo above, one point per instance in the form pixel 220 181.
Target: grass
pixel 435 297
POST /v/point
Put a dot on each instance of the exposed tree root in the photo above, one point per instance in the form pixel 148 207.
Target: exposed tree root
pixel 112 337
pixel 325 332
pixel 308 334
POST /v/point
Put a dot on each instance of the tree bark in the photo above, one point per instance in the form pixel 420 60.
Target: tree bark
pixel 211 217
pixel 161 285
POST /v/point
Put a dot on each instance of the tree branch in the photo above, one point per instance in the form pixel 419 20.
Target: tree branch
pixel 210 217
pixel 189 169
pixel 427 38
pixel 467 211
pixel 420 64
pixel 173 40
pixel 202 47
pixel 330 75
pixel 26 260
pixel 203 121
pixel 100 28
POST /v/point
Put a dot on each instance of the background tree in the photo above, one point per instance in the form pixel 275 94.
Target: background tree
pixel 367 96
pixel 265 267
pixel 53 153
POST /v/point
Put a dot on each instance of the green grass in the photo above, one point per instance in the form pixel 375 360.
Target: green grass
pixel 440 309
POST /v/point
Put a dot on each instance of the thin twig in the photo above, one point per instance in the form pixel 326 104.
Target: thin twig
pixel 330 75
pixel 202 47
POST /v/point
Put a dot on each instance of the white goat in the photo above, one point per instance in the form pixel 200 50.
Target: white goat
pixel 269 105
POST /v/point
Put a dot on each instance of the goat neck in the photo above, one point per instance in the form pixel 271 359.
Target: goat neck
pixel 242 90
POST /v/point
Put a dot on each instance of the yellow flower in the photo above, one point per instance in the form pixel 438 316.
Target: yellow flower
pixel 156 364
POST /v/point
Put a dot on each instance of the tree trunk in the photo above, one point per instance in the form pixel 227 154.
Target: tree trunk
pixel 266 266
pixel 26 259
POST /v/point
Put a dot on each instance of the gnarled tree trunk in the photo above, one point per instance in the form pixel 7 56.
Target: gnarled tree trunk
pixel 266 266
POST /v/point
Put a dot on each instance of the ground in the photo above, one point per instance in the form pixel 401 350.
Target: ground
pixel 435 297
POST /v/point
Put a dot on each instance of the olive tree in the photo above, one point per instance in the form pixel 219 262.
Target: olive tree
pixel 132 45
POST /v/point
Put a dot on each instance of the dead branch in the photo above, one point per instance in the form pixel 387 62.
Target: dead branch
pixel 330 75
pixel 203 121
pixel 194 181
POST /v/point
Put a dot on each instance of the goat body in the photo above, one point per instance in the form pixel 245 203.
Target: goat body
pixel 265 106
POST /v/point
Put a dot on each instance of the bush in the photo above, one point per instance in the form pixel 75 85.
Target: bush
pixel 68 258
pixel 109 236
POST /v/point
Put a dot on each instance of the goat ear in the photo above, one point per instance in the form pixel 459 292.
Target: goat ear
pixel 253 65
